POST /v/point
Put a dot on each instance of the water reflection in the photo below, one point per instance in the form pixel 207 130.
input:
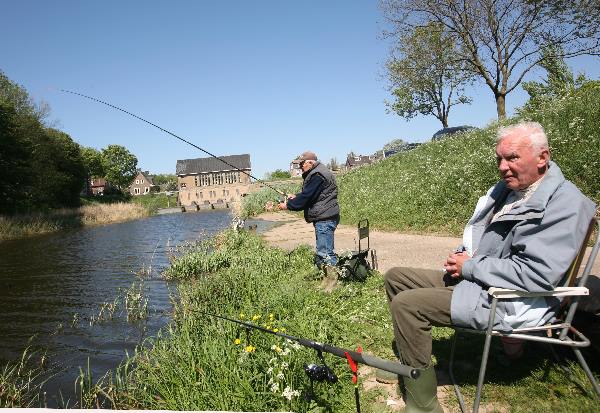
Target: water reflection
pixel 53 286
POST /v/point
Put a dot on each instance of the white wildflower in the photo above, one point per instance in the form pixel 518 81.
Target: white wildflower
pixel 288 393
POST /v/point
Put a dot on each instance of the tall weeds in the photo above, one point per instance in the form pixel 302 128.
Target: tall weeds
pixel 39 223
pixel 21 382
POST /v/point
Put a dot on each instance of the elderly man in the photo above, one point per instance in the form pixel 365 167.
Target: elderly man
pixel 523 235
pixel 318 199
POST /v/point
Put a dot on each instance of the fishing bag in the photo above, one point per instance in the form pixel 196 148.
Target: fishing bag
pixel 354 266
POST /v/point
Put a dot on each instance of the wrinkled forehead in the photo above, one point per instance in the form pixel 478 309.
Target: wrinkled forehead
pixel 514 142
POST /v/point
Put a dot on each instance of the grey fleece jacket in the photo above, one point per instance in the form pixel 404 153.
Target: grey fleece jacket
pixel 528 249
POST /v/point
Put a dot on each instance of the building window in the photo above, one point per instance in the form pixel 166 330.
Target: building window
pixel 183 185
pixel 137 181
pixel 146 189
pixel 136 191
pixel 141 181
pixel 196 181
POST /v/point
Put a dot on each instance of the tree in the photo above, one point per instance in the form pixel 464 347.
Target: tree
pixel 278 174
pixel 502 40
pixel 15 160
pixel 560 78
pixel 120 166
pixel 394 145
pixel 64 174
pixel 92 159
pixel 333 164
pixel 426 78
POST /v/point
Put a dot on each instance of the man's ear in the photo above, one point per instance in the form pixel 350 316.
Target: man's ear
pixel 544 158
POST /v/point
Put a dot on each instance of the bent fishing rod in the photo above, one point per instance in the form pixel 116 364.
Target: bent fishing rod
pixel 172 134
pixel 387 365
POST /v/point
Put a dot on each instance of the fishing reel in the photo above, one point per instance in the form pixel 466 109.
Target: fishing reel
pixel 320 373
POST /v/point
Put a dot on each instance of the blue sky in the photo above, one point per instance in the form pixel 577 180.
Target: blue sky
pixel 268 78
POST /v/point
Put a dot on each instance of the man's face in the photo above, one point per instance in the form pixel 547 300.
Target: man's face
pixel 519 163
pixel 306 165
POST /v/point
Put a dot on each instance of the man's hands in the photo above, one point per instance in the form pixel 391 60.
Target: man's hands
pixel 283 205
pixel 454 263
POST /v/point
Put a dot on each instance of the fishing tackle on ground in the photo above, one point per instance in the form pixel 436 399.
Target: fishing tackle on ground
pixel 361 358
pixel 172 134
pixel 322 373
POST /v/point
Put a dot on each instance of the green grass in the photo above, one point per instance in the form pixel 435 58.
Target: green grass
pixel 152 202
pixel 21 381
pixel 197 364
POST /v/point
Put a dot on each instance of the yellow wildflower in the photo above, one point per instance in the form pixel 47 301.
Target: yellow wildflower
pixel 250 349
pixel 237 341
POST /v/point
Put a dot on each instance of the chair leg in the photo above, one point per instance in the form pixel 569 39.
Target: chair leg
pixel 459 396
pixel 484 360
pixel 587 370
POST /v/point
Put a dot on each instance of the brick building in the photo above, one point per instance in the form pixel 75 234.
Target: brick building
pixel 211 183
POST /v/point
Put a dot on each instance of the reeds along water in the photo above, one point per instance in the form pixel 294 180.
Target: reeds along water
pixel 40 223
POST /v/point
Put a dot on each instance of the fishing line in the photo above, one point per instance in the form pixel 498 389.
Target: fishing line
pixel 172 134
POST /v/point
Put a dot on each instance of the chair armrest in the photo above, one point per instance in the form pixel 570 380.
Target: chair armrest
pixel 504 293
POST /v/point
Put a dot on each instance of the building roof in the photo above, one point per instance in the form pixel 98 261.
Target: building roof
pixel 203 165
pixel 358 160
pixel 145 174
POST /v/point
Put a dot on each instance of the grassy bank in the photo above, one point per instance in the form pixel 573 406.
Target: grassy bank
pixel 153 202
pixel 435 187
pixel 92 214
pixel 201 362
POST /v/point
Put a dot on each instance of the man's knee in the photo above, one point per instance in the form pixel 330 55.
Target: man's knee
pixel 392 275
pixel 404 305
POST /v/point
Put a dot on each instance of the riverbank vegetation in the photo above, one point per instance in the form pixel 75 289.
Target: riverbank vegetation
pixel 43 171
pixel 15 226
pixel 204 363
pixel 155 201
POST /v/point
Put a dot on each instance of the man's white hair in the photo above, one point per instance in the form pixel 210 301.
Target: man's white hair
pixel 533 130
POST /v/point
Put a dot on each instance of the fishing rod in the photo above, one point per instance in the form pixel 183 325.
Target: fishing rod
pixel 387 365
pixel 172 134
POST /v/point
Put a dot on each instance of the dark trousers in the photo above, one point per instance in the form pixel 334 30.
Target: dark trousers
pixel 418 299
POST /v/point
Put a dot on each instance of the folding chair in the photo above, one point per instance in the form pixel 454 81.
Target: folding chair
pixel 555 334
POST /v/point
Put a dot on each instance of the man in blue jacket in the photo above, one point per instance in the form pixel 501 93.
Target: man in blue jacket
pixel 318 199
pixel 523 235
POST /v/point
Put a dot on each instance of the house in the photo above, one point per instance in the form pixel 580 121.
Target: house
pixel 142 184
pixel 354 161
pixel 295 170
pixel 212 182
pixel 98 185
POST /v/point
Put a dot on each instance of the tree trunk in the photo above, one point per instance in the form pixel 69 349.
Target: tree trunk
pixel 501 106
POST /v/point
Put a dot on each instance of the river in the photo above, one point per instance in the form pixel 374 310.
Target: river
pixel 53 289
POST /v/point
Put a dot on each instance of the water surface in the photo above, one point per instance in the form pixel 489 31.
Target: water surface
pixel 52 288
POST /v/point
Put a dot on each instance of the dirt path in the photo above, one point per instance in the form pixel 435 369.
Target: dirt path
pixel 393 248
